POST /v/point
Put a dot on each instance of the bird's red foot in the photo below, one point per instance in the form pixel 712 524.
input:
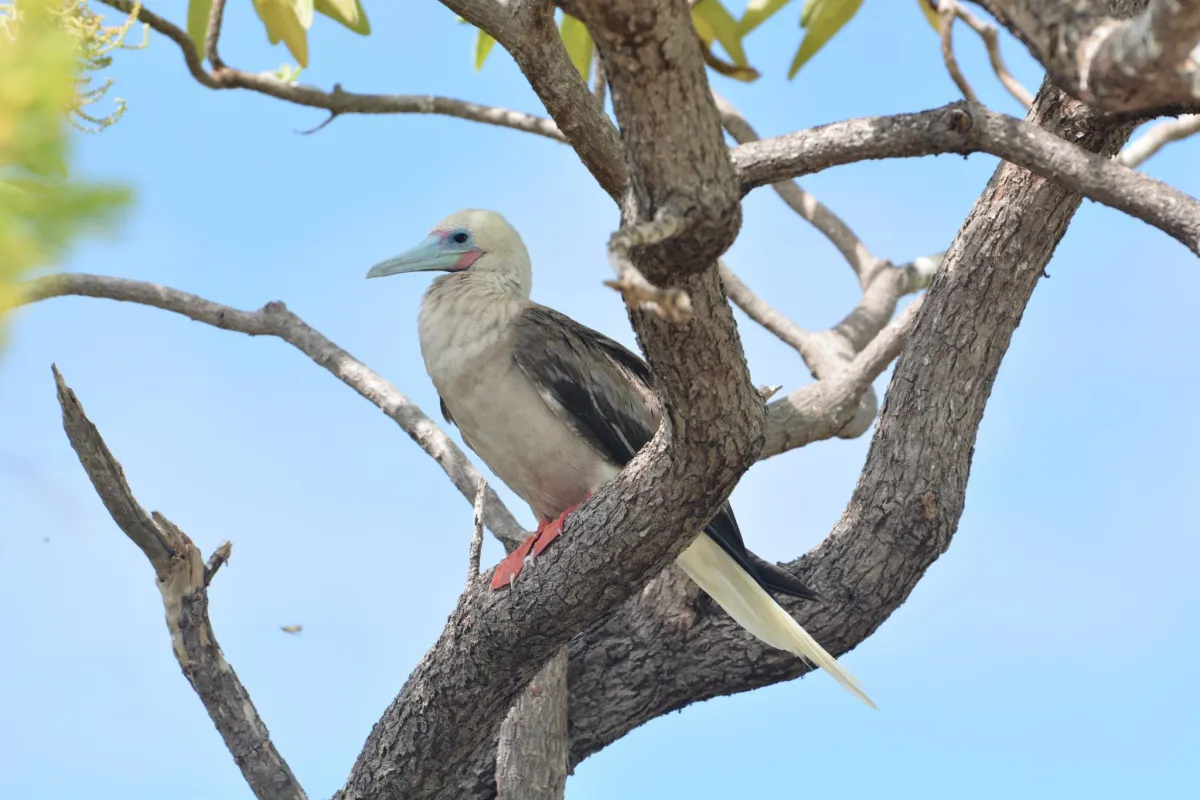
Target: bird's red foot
pixel 508 569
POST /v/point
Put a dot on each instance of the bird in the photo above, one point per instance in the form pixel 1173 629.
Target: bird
pixel 556 410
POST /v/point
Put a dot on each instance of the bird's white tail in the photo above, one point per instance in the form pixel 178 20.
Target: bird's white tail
pixel 755 610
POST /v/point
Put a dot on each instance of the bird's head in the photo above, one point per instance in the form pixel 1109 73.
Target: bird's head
pixel 475 241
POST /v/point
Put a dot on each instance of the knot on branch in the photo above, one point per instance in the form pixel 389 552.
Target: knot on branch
pixel 670 303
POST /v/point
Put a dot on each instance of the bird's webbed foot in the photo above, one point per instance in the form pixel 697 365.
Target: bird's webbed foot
pixel 510 568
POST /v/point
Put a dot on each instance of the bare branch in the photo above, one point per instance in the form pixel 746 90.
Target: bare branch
pixel 218 559
pixel 274 319
pixel 1142 64
pixel 338 101
pixel 599 82
pixel 808 207
pixel 964 128
pixel 476 532
pixel 1157 137
pixel 991 40
pixel 824 409
pixel 766 315
pixel 946 16
pixel 182 580
pixel 212 34
pixel 527 31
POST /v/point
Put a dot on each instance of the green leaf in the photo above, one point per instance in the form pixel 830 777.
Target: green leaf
pixel 287 21
pixel 724 28
pixel 348 12
pixel 483 46
pixel 703 29
pixel 758 12
pixel 579 44
pixel 197 24
pixel 821 19
pixel 41 213
pixel 931 14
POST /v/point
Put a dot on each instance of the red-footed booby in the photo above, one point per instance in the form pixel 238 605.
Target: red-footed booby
pixel 556 409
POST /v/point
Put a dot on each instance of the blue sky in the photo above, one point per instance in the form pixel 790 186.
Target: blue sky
pixel 1046 655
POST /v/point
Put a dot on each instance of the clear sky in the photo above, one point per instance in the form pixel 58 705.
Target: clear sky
pixel 1051 653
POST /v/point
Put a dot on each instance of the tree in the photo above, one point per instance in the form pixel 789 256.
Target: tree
pixel 905 508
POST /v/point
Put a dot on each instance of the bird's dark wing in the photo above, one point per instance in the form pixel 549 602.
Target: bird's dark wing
pixel 601 389
pixel 604 392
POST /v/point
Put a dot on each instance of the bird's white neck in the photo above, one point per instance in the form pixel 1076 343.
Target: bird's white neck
pixel 463 318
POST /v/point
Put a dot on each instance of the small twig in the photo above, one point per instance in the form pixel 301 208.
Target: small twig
pixel 477 532
pixel 336 103
pixel 834 228
pixel 671 304
pixel 218 559
pixel 947 15
pixel 919 273
pixel 599 80
pixel 1157 137
pixel 768 392
pixel 991 40
pixel 213 34
pixel 765 314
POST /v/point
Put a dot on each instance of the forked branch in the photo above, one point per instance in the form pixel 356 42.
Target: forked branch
pixel 182 580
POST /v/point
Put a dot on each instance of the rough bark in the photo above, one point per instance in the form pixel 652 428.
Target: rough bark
pixel 531 752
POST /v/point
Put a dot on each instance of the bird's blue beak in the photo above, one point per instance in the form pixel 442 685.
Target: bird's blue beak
pixel 431 254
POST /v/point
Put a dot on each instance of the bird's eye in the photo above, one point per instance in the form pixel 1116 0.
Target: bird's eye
pixel 460 237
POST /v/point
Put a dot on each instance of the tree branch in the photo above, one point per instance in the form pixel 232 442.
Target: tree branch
pixel 1157 137
pixel 806 205
pixel 946 15
pixel 182 580
pixel 527 31
pixel 338 101
pixel 964 128
pixel 991 40
pixel 212 33
pixel 1141 64
pixel 274 319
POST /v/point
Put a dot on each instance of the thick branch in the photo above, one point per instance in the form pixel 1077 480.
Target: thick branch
pixel 274 319
pixel 1141 64
pixel 338 101
pixel 963 128
pixel 182 581
pixel 664 651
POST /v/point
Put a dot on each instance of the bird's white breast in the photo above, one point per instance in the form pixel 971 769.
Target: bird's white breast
pixel 466 343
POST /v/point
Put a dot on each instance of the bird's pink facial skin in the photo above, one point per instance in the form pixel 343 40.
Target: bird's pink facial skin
pixel 468 258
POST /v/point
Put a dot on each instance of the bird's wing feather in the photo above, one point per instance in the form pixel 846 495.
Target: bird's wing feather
pixel 604 393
